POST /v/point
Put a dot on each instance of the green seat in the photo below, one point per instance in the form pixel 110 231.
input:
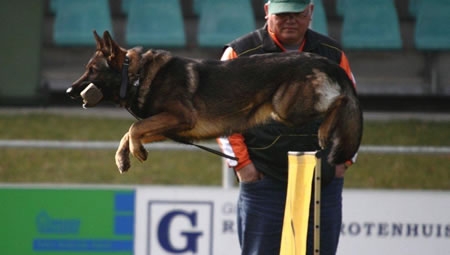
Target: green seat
pixel 155 23
pixel 197 6
pixel 413 6
pixel 433 25
pixel 340 7
pixel 52 6
pixel 75 21
pixel 370 26
pixel 125 6
pixel 223 21
pixel 319 19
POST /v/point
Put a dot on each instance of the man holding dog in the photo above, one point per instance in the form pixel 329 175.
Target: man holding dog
pixel 262 166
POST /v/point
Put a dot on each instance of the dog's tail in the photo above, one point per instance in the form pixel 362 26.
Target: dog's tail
pixel 341 130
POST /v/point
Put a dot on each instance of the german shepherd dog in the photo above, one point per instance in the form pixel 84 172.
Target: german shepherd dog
pixel 188 100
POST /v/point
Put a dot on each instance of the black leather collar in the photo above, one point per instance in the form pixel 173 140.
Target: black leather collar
pixel 124 83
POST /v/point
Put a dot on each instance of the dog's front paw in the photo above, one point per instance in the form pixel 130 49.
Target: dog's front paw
pixel 123 159
pixel 139 151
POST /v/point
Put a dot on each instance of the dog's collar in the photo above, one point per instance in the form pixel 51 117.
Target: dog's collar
pixel 124 86
pixel 124 83
pixel 125 79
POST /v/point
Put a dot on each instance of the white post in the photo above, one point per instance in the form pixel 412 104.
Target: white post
pixel 228 177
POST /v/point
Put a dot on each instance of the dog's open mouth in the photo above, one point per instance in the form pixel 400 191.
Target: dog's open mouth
pixel 91 96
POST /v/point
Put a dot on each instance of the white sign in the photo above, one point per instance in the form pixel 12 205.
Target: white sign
pixel 174 220
pixel 202 221
pixel 395 222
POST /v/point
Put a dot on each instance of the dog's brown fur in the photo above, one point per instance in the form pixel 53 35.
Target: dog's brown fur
pixel 187 99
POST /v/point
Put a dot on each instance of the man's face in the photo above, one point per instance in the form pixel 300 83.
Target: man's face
pixel 289 28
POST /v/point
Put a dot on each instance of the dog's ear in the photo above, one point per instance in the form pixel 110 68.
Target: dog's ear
pixel 107 43
pixel 107 37
pixel 100 43
pixel 111 45
pixel 112 51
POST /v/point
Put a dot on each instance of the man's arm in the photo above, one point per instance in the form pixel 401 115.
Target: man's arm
pixel 234 145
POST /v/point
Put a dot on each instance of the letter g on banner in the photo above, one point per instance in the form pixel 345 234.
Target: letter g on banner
pixel 191 237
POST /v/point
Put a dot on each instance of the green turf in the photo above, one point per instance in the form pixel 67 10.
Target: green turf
pixel 19 165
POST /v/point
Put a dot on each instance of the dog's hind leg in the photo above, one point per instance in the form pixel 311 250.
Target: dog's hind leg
pixel 341 130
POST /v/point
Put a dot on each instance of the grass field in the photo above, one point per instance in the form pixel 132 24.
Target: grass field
pixel 20 165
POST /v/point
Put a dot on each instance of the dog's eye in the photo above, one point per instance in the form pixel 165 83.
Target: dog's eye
pixel 93 69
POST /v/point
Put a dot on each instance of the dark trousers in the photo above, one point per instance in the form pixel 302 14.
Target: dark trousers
pixel 261 211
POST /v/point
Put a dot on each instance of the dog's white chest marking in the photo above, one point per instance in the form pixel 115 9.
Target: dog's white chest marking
pixel 326 89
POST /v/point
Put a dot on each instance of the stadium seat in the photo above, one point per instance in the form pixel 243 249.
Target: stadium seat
pixel 415 5
pixel 125 6
pixel 432 25
pixel 222 21
pixel 75 21
pixel 340 7
pixel 371 27
pixel 52 6
pixel 412 7
pixel 319 20
pixel 155 23
pixel 197 6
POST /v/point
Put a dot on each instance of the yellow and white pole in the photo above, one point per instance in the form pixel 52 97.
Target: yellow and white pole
pixel 296 215
pixel 317 202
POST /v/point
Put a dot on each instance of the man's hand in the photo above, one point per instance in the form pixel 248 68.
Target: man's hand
pixel 249 174
pixel 340 171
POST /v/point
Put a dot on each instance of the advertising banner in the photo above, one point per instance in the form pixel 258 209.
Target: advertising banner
pixel 202 221
pixel 66 221
pixel 186 221
pixel 395 222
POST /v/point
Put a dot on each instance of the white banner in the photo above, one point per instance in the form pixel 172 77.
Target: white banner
pixel 395 222
pixel 186 221
pixel 191 220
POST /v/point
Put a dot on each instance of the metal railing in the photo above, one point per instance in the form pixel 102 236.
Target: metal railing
pixel 228 177
pixel 56 144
